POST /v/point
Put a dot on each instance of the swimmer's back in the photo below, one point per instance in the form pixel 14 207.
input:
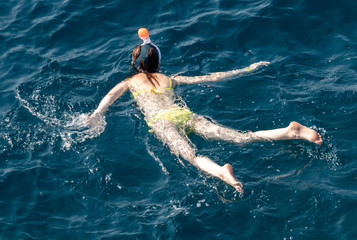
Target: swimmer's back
pixel 141 81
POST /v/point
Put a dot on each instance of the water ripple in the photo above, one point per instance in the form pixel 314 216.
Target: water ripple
pixel 60 180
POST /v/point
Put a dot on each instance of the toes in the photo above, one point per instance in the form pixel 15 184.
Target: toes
pixel 239 187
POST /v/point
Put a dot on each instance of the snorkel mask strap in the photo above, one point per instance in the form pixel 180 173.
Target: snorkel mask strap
pixel 158 51
pixel 144 52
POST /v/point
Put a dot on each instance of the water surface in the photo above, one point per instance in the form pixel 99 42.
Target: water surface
pixel 59 180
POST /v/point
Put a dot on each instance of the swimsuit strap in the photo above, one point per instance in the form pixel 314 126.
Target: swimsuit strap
pixel 137 85
pixel 134 94
pixel 170 83
pixel 170 87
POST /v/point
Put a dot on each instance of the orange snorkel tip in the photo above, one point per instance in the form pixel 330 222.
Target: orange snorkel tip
pixel 143 33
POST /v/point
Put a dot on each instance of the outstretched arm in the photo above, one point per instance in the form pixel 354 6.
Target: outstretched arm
pixel 217 76
pixel 113 95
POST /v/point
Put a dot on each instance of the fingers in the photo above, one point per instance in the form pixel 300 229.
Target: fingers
pixel 88 121
pixel 264 63
pixel 92 121
pixel 257 64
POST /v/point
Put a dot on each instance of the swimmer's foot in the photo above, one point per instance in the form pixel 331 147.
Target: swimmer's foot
pixel 227 176
pixel 298 131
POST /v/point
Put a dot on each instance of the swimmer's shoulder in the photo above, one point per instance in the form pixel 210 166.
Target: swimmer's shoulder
pixel 136 79
pixel 168 82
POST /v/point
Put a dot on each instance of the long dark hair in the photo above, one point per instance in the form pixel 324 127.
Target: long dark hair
pixel 147 67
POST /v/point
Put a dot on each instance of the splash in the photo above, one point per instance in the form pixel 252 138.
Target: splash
pixel 75 129
pixel 327 152
pixel 70 126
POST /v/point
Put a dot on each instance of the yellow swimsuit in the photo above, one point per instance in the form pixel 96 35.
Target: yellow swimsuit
pixel 178 116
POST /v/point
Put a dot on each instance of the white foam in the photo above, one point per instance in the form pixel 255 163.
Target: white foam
pixel 327 152
pixel 70 126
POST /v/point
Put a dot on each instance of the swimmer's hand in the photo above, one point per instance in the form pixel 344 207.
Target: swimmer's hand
pixel 94 119
pixel 257 64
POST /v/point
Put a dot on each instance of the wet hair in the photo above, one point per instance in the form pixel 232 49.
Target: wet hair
pixel 147 65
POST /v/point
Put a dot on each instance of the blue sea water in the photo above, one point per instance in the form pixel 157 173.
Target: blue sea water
pixel 58 180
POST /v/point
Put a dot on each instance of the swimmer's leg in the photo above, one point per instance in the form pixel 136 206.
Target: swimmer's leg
pixel 211 130
pixel 167 132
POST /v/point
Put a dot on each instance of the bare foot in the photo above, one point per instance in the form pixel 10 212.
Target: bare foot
pixel 227 176
pixel 299 131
